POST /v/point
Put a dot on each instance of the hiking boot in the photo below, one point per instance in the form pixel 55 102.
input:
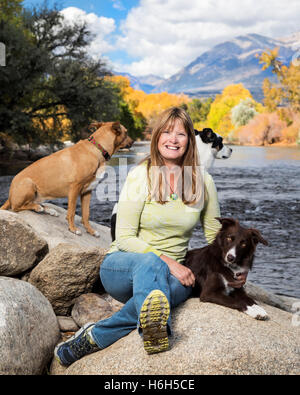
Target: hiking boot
pixel 154 315
pixel 79 345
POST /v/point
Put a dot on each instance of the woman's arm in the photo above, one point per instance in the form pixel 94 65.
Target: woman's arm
pixel 211 210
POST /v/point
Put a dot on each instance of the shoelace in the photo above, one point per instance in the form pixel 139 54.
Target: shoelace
pixel 82 346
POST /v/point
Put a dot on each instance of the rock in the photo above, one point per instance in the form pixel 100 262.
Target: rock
pixel 21 247
pixel 115 305
pixel 65 273
pixel 292 304
pixel 39 152
pixel 20 155
pixel 207 339
pixel 91 307
pixel 55 229
pixel 262 295
pixel 28 328
pixel 67 324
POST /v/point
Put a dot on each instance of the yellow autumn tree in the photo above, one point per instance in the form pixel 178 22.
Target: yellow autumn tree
pixel 287 88
pixel 285 92
pixel 57 126
pixel 155 103
pixel 150 105
pixel 219 117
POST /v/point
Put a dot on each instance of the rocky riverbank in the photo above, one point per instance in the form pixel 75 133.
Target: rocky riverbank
pixel 49 287
pixel 14 158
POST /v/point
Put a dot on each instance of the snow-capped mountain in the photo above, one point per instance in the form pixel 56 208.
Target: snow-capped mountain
pixel 228 63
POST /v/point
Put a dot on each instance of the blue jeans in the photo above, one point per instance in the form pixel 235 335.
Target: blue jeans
pixel 129 277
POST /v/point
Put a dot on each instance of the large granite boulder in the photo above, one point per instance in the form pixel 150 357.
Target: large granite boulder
pixel 21 247
pixel 92 307
pixel 28 329
pixel 207 339
pixel 55 229
pixel 67 272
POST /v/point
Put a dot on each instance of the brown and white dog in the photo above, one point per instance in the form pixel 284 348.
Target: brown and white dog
pixel 71 172
pixel 217 265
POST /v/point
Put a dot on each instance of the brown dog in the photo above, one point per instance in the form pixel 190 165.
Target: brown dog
pixel 68 173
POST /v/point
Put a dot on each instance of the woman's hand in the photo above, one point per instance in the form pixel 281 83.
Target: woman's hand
pixel 181 272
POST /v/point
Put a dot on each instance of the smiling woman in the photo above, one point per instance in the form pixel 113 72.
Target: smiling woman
pixel 172 143
pixel 172 156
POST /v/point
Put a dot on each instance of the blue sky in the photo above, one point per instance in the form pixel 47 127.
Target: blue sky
pixel 113 9
pixel 108 8
pixel 160 37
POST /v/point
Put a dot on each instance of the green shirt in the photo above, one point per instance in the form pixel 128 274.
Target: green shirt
pixel 148 226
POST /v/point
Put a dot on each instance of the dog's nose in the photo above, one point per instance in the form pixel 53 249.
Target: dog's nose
pixel 230 258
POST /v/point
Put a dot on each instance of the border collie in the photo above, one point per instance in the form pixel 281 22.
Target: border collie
pixel 217 265
pixel 210 147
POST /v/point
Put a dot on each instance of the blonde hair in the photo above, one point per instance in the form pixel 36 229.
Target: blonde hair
pixel 192 191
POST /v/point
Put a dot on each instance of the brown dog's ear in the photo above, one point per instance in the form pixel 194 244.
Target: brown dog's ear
pixel 117 127
pixel 225 222
pixel 257 237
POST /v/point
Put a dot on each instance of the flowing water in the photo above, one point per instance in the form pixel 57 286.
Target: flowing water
pixel 260 186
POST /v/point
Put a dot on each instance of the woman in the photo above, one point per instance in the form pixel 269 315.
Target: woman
pixel 160 204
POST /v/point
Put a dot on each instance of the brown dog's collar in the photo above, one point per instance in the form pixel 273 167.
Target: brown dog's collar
pixel 104 153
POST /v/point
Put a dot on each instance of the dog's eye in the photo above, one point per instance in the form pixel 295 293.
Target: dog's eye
pixel 230 238
pixel 243 244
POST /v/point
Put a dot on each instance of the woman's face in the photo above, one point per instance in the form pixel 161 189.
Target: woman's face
pixel 172 143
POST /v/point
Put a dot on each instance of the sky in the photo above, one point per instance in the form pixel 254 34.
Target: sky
pixel 160 37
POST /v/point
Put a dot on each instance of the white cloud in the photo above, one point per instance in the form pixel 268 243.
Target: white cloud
pixel 117 4
pixel 168 34
pixel 164 36
pixel 100 27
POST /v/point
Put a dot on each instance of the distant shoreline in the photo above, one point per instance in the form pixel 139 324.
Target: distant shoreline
pixel 13 163
pixel 280 144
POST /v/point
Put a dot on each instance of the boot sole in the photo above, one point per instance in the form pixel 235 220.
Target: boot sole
pixel 154 315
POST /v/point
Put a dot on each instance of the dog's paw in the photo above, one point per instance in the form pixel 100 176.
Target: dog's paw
pixel 257 312
pixel 76 232
pixel 96 234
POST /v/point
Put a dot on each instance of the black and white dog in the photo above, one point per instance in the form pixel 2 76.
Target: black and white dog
pixel 210 147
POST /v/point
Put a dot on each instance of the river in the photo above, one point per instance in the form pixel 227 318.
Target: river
pixel 260 186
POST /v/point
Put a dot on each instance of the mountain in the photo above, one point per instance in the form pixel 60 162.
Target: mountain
pixel 145 83
pixel 292 41
pixel 231 62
